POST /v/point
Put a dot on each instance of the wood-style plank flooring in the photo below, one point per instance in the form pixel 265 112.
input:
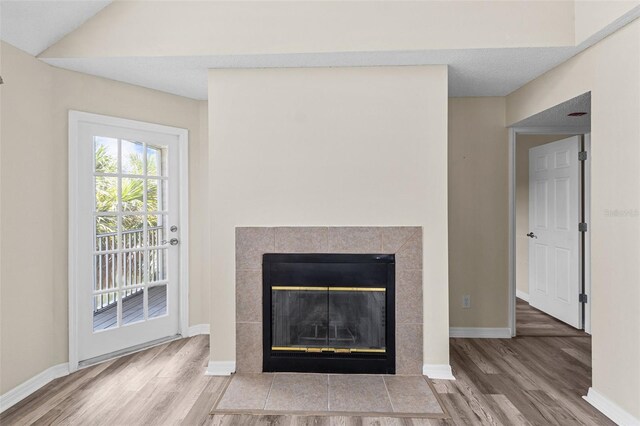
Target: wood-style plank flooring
pixel 520 381
pixel 532 322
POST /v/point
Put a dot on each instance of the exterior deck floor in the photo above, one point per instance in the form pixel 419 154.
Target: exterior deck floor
pixel 132 309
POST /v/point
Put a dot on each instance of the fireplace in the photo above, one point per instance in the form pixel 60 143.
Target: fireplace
pixel 329 313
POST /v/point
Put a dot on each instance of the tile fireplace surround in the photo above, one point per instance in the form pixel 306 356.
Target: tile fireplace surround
pixel 404 242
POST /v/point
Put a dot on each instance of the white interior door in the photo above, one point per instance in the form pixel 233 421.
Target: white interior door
pixel 127 222
pixel 554 215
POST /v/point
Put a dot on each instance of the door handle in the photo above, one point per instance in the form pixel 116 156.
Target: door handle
pixel 531 235
pixel 173 241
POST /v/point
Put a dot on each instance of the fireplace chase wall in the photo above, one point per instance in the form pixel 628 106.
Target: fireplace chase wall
pixel 405 243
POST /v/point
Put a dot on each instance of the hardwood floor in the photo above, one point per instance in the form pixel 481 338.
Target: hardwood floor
pixel 520 381
pixel 532 322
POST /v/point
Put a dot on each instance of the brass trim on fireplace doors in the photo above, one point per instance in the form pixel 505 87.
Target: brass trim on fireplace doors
pixel 316 349
pixel 357 289
pixel 278 287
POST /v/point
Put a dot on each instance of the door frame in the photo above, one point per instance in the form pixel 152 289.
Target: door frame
pixel 75 119
pixel 513 133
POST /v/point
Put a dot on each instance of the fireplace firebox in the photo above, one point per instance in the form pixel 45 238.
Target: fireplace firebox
pixel 329 313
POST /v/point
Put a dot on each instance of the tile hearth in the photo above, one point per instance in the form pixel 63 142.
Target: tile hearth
pixel 329 394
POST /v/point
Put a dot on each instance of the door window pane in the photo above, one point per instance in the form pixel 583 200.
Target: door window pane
pixel 105 155
pixel 133 231
pixel 132 158
pixel 157 265
pixel 132 194
pixel 133 267
pixel 132 306
pixel 106 233
pixel 105 311
pixel 156 230
pixel 105 267
pixel 106 190
pixel 152 195
pixel 163 195
pixel 156 195
pixel 157 301
pixel 156 161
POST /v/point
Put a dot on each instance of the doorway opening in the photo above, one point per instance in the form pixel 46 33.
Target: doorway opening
pixel 549 222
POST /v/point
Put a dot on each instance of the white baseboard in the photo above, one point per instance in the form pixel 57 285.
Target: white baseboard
pixel 480 332
pixel 221 368
pixel 25 389
pixel 522 295
pixel 438 371
pixel 197 329
pixel 610 409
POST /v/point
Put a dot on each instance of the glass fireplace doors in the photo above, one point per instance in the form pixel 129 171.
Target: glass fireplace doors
pixel 328 319
pixel 328 313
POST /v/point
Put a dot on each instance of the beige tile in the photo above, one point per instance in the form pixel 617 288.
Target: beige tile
pixel 358 393
pixel 355 240
pixel 409 349
pixel 409 256
pixel 394 237
pixel 408 296
pixel 249 296
pixel 249 347
pixel 298 392
pixel 246 392
pixel 411 394
pixel 406 242
pixel 301 240
pixel 251 244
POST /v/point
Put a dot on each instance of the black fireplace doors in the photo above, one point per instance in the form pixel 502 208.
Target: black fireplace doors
pixel 329 313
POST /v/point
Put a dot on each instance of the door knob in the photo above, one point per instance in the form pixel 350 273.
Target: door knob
pixel 531 235
pixel 174 241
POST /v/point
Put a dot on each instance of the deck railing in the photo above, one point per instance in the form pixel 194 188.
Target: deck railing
pixel 133 262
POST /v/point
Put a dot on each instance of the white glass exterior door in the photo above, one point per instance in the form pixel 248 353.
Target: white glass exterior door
pixel 128 238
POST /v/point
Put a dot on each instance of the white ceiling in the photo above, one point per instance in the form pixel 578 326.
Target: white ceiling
pixel 33 26
pixel 557 117
pixel 472 72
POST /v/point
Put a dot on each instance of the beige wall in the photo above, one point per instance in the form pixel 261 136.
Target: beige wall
pixel 523 144
pixel 130 28
pixel 610 70
pixel 478 198
pixel 329 147
pixel 33 219
pixel 27 238
pixel 199 251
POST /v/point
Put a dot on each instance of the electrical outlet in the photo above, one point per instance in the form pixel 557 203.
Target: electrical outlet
pixel 466 301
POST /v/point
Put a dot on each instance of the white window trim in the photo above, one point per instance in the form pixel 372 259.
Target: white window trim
pixel 75 118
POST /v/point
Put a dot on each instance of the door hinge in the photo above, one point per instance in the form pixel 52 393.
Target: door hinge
pixel 582 155
pixel 582 227
pixel 582 298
